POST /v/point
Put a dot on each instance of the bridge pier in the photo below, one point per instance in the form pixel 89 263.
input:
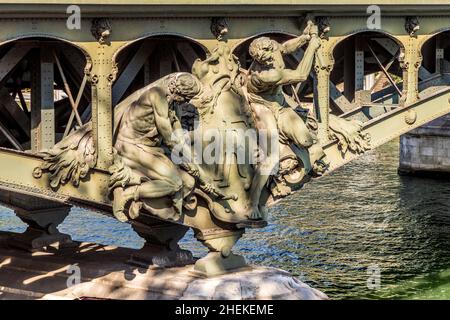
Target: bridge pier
pixel 425 151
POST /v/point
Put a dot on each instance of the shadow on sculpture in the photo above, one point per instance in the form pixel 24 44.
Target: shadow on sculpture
pixel 248 144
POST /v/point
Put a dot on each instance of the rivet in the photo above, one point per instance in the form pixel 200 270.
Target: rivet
pixel 410 117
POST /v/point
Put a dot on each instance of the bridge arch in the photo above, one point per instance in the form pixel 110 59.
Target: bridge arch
pixel 42 80
pixel 335 41
pixel 365 63
pixel 48 36
pixel 151 57
pixel 435 52
pixel 432 34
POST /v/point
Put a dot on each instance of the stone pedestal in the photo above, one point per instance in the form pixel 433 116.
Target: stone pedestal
pixel 220 259
pixel 255 283
pixel 425 151
pixel 94 271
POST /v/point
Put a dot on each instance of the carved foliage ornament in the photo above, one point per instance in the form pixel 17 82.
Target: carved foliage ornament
pixel 69 160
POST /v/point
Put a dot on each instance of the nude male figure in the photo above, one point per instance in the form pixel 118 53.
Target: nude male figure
pixel 145 124
pixel 266 77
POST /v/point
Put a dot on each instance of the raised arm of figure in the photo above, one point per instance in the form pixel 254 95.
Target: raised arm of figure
pixel 290 76
pixel 293 45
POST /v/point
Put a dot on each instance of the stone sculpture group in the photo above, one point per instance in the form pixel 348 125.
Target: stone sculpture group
pixel 157 170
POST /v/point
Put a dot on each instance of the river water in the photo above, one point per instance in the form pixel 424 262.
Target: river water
pixel 361 232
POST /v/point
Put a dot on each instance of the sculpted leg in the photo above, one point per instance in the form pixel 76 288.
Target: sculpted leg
pixel 178 185
pixel 294 128
pixel 258 184
pixel 188 199
pixel 151 162
pixel 266 123
pixel 188 183
pixel 151 175
pixel 147 190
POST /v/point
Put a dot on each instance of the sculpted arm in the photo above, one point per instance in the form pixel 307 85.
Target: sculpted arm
pixel 292 45
pixel 278 77
pixel 291 76
pixel 157 99
pixel 172 134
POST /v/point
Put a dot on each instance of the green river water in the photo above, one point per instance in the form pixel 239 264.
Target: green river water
pixel 337 234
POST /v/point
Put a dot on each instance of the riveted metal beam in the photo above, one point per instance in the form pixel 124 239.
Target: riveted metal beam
pixel 131 70
pixel 15 111
pixel 349 70
pixel 395 123
pixel 42 104
pixel 10 60
pixel 102 75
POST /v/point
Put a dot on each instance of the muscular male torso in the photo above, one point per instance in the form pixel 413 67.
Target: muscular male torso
pixel 263 79
pixel 139 125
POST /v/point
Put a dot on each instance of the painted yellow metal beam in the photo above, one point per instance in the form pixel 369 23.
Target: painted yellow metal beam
pixel 232 2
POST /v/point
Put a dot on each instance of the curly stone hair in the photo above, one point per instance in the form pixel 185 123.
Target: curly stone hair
pixel 184 84
pixel 256 47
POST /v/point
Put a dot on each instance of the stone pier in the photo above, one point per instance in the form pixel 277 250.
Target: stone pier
pixel 425 151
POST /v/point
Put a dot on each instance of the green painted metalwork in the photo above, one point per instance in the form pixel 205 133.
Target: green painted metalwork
pixel 124 46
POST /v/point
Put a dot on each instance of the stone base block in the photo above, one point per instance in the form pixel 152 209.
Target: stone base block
pixel 215 264
pixel 94 271
pixel 255 283
pixel 42 233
